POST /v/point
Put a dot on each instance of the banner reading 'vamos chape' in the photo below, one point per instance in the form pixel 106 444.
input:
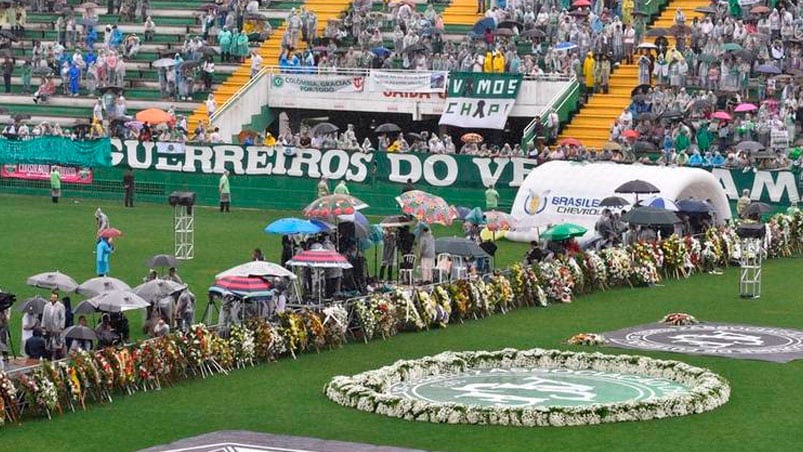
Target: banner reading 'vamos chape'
pixel 480 100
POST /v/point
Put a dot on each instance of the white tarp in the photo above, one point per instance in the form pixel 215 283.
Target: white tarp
pixel 570 192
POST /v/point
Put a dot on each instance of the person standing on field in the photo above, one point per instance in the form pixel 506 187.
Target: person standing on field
pixel 225 191
pixel 128 188
pixel 55 184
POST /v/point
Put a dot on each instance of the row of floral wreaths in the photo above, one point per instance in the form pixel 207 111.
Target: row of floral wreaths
pixel 69 385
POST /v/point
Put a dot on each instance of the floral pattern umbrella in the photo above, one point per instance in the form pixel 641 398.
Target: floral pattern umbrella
pixel 333 205
pixel 499 221
pixel 426 207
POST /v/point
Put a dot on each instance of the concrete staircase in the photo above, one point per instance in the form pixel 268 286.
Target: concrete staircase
pixel 270 52
pixel 593 123
pixel 461 12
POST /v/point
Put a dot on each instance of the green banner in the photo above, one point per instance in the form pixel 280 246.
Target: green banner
pixel 264 177
pixel 56 150
pixel 480 100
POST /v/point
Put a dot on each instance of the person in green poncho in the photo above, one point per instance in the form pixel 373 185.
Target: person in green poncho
pixel 704 137
pixel 225 191
pixel 491 198
pixel 683 158
pixel 242 46
pixel 224 40
pixel 794 154
pixel 55 184
pixel 27 74
pixel 735 9
pixel 682 140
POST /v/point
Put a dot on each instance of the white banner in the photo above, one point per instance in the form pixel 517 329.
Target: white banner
pixel 169 147
pixel 407 82
pixel 314 83
pixel 476 113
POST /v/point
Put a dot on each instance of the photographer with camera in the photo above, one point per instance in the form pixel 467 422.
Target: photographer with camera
pixel 53 321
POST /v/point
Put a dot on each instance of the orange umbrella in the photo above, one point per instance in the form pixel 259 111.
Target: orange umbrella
pixel 471 138
pixel 630 133
pixel 154 116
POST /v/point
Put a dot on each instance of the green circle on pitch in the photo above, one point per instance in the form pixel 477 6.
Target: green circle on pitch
pixel 537 387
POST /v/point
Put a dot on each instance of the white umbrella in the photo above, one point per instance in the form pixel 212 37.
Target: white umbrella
pixel 154 290
pixel 257 268
pixel 118 301
pixel 53 280
pixel 96 286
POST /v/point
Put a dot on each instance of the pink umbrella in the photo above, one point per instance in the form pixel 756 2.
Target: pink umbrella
pixel 742 108
pixel 721 115
pixel 581 3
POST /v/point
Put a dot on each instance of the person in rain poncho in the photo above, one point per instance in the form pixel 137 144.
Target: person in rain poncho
pixel 224 39
pixel 589 64
pixel 102 220
pixel 55 184
pixel 102 252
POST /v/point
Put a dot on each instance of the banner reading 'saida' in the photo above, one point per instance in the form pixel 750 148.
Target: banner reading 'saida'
pixel 480 100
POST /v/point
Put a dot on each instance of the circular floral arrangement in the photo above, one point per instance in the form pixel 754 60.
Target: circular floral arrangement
pixel 587 339
pixel 371 391
pixel 679 318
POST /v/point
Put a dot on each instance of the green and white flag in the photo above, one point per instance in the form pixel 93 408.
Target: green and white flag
pixel 480 100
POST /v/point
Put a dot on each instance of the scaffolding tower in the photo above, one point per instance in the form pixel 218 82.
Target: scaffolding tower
pixel 183 224
pixel 750 268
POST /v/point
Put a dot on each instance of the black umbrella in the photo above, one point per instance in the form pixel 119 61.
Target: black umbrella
pixel 510 24
pixel 614 201
pixel 79 332
pixel 750 146
pixel 640 13
pixel 503 32
pixel 457 246
pixel 416 48
pixel 657 32
pixel 644 147
pixel 706 10
pixel 34 305
pixel 414 136
pixel 209 51
pixel 756 208
pixel 694 206
pixel 651 216
pixel 387 127
pixel 641 89
pixel 672 114
pixel 637 186
pixel 8 35
pixel 532 33
pixel 162 260
pixel 113 88
pixel 324 128
pixel 21 116
pixel 646 116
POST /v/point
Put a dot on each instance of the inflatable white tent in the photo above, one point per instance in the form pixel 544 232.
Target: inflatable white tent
pixel 570 192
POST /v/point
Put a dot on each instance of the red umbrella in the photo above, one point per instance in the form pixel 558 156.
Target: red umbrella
pixel 243 284
pixel 570 142
pixel 499 221
pixel 581 3
pixel 721 115
pixel 330 206
pixel 110 233
pixel 319 259
pixel 630 133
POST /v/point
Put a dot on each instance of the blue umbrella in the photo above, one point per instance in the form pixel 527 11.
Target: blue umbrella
pixel 292 226
pixel 462 211
pixel 356 217
pixel 660 203
pixel 566 45
pixel 325 227
pixel 475 216
pixel 479 27
pixel 381 52
pixel 694 206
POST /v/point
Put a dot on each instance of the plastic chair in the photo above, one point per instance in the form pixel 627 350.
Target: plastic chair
pixel 459 270
pixel 443 267
pixel 407 269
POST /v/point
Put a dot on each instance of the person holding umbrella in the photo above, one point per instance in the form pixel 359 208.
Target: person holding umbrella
pixel 388 254
pixel 55 184
pixel 103 250
pixel 30 321
pixel 426 244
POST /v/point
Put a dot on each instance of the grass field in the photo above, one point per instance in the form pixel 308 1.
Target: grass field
pixel 285 397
